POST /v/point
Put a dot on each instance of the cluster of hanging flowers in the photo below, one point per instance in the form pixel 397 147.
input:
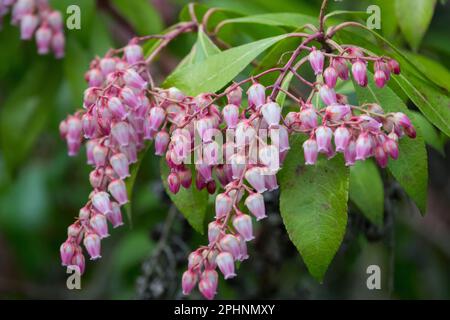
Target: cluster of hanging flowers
pixel 36 19
pixel 122 109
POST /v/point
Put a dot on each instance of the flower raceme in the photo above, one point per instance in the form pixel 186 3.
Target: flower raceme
pixel 36 18
pixel 122 110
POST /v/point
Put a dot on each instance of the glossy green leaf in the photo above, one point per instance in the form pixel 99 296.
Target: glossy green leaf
pixel 140 14
pixel 367 191
pixel 411 168
pixel 414 17
pixel 430 133
pixel 389 22
pixel 218 70
pixel 191 202
pixel 313 205
pixel 294 20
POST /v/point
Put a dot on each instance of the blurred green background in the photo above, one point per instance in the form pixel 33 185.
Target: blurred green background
pixel 42 189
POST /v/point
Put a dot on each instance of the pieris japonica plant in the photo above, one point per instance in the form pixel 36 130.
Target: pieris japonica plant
pixel 37 19
pixel 236 137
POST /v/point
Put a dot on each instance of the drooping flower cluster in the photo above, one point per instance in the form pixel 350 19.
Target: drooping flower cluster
pixel 122 109
pixel 36 18
pixel 117 117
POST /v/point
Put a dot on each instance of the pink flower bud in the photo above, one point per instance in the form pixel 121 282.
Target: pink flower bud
pixel 115 216
pixel 205 171
pixel 269 156
pixel 133 53
pixel 90 96
pixel 350 153
pixel 73 146
pixel 208 284
pixel 214 231
pixel 272 114
pixel 256 179
pixel 119 191
pixel 84 214
pixel 237 165
pixel 359 71
pixel 231 115
pixel 310 150
pixel 243 247
pixel 129 97
pixel 316 59
pixel 380 65
pixel 119 163
pixel 28 25
pixel 185 175
pixel 400 119
pixel 58 44
pixel 308 117
pixel 391 147
pixel 156 118
pixel 225 262
pixel 235 96
pixel 67 251
pixel 43 39
pixel 74 127
pixel 230 243
pixel 94 78
pixel 101 202
pixel 121 133
pixel 381 156
pixel 363 146
pixel 194 260
pixel 380 78
pixel 107 66
pixel 394 66
pixel 188 282
pixel 134 80
pixel 100 153
pixel 280 138
pixel 55 20
pixel 96 178
pixel 243 224
pixel 323 137
pixel 337 112
pixel 330 75
pixel 340 65
pixel 342 138
pixel 255 203
pixel 92 244
pixel 74 230
pixel 270 179
pixel 78 262
pixel 162 139
pixel 328 95
pixel 98 223
pixel 173 182
pixel 224 203
pixel 256 95
pixel 89 125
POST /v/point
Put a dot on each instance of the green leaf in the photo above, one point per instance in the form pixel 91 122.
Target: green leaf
pixel 191 202
pixel 140 14
pixel 217 70
pixel 366 190
pixel 434 104
pixel 414 17
pixel 313 205
pixel 411 168
pixel 430 134
pixel 25 112
pixel 294 20
pixel 389 22
pixel 436 71
pixel 202 49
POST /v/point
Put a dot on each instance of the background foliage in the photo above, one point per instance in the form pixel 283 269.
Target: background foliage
pixel 41 189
